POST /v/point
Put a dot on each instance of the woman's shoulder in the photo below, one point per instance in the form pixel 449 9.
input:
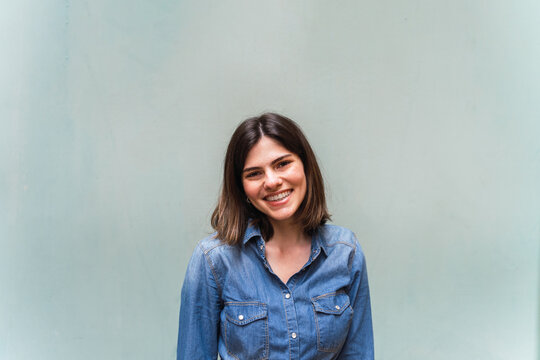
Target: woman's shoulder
pixel 340 242
pixel 210 243
pixel 333 232
pixel 333 235
pixel 212 246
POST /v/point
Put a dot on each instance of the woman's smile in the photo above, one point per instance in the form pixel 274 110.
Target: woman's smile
pixel 278 198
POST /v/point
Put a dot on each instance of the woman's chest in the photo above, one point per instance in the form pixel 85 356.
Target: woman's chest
pixel 264 318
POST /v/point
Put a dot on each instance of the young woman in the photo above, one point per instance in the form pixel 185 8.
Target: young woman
pixel 274 281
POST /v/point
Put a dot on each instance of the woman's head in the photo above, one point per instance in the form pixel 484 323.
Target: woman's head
pixel 274 181
pixel 280 163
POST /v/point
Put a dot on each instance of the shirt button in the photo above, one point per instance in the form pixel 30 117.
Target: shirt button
pixel 262 246
pixel 240 317
pixel 337 307
pixel 287 296
pixel 293 335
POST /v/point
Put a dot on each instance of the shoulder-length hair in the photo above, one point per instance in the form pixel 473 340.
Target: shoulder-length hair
pixel 232 213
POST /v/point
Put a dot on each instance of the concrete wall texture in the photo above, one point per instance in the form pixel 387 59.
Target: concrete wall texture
pixel 115 115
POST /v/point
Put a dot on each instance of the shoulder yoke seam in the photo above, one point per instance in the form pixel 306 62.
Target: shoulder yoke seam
pixel 211 266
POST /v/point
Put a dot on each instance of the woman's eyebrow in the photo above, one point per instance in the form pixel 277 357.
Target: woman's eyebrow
pixel 273 162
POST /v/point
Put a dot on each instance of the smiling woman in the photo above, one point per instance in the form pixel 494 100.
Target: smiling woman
pixel 274 281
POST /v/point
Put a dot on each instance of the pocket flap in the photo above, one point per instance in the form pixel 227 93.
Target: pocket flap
pixel 332 303
pixel 243 313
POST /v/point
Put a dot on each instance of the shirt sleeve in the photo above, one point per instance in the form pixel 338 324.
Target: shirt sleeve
pixel 359 342
pixel 198 328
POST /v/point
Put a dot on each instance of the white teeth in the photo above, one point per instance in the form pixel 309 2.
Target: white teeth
pixel 278 196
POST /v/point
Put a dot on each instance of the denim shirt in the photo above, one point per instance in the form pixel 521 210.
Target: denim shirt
pixel 233 303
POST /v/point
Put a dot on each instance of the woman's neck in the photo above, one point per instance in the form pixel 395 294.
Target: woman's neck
pixel 288 234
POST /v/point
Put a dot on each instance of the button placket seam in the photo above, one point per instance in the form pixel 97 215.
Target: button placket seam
pixel 287 321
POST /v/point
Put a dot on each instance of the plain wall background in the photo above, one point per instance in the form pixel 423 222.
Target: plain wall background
pixel 114 118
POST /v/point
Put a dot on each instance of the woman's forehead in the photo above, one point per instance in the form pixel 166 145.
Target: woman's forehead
pixel 264 152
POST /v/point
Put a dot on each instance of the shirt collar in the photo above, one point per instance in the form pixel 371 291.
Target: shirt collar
pixel 317 241
pixel 251 232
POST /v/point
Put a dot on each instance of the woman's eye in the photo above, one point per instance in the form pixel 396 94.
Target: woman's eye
pixel 284 163
pixel 252 174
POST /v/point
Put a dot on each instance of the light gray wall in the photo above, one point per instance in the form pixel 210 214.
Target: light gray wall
pixel 115 115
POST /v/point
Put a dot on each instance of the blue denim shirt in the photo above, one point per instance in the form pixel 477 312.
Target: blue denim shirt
pixel 233 303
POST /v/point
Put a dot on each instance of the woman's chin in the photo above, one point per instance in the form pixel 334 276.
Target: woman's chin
pixel 281 217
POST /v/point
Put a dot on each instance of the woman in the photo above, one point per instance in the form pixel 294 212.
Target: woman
pixel 274 281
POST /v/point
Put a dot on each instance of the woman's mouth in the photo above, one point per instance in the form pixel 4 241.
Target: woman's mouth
pixel 278 197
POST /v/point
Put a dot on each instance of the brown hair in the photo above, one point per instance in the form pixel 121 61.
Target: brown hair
pixel 232 213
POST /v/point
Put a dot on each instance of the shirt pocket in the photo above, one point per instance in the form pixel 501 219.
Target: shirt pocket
pixel 245 330
pixel 333 316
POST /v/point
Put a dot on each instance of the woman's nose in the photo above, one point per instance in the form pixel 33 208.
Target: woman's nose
pixel 272 180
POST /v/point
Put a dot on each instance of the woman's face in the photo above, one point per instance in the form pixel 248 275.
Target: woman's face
pixel 274 180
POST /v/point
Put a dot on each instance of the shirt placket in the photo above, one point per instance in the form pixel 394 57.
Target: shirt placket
pixel 288 299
